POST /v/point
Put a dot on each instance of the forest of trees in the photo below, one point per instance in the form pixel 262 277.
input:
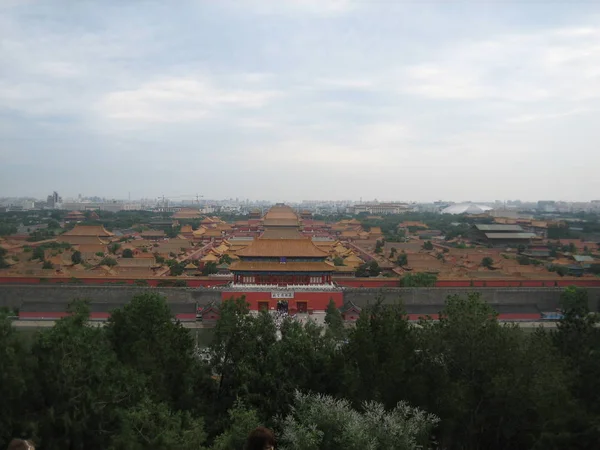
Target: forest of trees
pixel 463 382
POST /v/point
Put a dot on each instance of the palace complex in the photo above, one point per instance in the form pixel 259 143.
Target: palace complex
pixel 282 255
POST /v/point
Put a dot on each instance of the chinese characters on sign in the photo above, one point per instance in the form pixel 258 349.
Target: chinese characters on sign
pixel 282 294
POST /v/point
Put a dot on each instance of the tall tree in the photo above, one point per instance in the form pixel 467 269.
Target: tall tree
pixel 81 385
pixel 333 319
pixel 146 339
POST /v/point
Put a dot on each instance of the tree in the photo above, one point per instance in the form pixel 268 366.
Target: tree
pixel 225 259
pixel 76 257
pixel 209 268
pixel 127 253
pixel 470 363
pixel 80 385
pixel 242 421
pixel 108 261
pixel 47 265
pixel 428 245
pixel 572 249
pixel 16 369
pixel 338 261
pixel 147 340
pixel 402 259
pixel 419 279
pixel 324 423
pixel 38 253
pixel 176 269
pixel 333 319
pixel 156 426
pixel 3 263
pixel 379 247
pixel 53 224
pixel 114 247
pixel 374 269
pixel 487 262
pixel 362 271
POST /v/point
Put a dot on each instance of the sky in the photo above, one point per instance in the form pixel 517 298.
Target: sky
pixel 291 100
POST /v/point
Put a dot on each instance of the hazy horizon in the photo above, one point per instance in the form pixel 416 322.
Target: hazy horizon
pixel 293 100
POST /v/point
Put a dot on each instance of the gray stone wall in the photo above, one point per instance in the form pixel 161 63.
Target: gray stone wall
pixel 546 299
pixel 14 296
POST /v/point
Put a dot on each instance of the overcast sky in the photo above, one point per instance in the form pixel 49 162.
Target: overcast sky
pixel 301 99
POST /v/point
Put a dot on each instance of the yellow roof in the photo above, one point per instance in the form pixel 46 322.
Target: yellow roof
pixel 210 257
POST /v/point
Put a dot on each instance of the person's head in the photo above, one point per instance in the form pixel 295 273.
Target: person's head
pixel 20 444
pixel 260 438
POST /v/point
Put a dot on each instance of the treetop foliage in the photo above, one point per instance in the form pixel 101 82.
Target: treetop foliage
pixel 464 381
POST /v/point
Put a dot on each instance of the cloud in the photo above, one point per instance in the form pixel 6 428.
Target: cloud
pixel 178 100
pixel 559 64
pixel 322 99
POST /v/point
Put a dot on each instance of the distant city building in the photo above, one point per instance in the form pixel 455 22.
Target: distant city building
pixel 466 208
pixel 379 208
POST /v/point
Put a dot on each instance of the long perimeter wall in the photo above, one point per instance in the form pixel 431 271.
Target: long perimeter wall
pixel 545 299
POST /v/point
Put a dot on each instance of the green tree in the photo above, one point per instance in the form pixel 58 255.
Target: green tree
pixel 53 224
pixel 334 320
pixel 362 271
pixel 108 261
pixel 325 423
pixel 471 362
pixel 3 263
pixel 146 339
pixel 487 262
pixel 38 253
pixel 338 261
pixel 374 269
pixel 127 253
pixel 225 259
pixel 419 279
pixel 428 245
pixel 47 265
pixel 379 247
pixel 80 386
pixel 16 375
pixel 76 257
pixel 150 425
pixel 241 422
pixel 402 259
pixel 209 268
pixel 114 247
pixel 176 269
pixel 393 252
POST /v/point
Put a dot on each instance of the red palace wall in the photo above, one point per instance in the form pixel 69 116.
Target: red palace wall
pixel 192 282
pixel 316 301
pixel 94 316
pixel 346 282
pixel 394 282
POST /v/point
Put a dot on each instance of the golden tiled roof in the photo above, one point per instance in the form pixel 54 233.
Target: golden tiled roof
pixel 88 230
pixel 282 248
pixel 257 266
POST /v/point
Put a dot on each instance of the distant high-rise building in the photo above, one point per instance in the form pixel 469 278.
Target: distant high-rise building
pixel 54 199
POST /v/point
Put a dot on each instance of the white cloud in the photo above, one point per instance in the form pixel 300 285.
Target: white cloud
pixel 315 7
pixel 178 100
pixel 561 64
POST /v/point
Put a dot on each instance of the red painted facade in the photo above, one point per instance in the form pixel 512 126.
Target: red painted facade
pixel 315 301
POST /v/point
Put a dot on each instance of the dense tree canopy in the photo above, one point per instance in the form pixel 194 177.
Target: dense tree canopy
pixel 465 381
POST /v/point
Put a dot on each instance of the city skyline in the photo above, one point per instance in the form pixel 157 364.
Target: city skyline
pixel 291 100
